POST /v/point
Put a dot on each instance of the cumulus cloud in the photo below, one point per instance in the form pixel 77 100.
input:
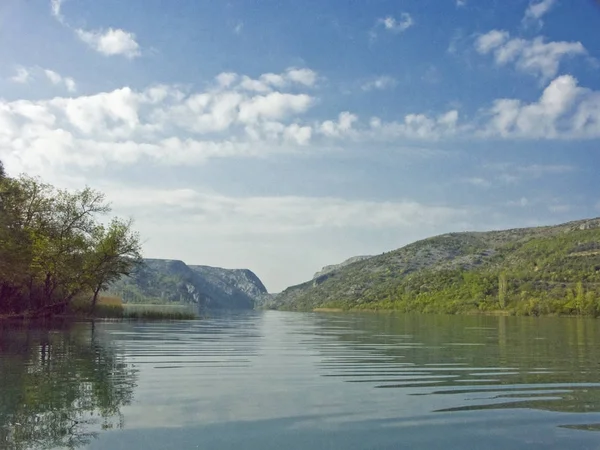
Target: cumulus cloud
pixel 57 79
pixel 536 10
pixel 108 42
pixel 416 127
pixel 160 123
pixel 111 42
pixel 379 83
pixel 564 111
pixel 22 76
pixel 342 127
pixel 536 57
pixel 267 82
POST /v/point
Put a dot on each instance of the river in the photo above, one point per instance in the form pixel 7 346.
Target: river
pixel 276 380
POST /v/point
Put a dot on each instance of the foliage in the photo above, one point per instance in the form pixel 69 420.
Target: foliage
pixel 531 271
pixel 53 247
pixel 60 388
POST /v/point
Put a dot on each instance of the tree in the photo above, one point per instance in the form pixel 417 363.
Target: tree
pixel 52 247
pixel 502 288
pixel 116 252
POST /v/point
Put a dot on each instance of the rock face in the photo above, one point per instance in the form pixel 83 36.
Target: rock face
pixel 331 268
pixel 166 281
pixel 538 260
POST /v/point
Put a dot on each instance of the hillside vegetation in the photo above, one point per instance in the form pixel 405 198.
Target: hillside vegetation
pixel 528 271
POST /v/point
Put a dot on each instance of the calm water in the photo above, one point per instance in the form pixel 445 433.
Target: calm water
pixel 278 380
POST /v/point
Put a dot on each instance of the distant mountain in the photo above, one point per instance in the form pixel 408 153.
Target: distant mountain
pixel 542 270
pixel 166 281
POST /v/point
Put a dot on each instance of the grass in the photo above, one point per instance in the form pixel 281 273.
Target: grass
pixel 159 312
pixel 111 307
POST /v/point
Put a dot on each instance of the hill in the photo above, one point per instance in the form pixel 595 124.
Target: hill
pixel 332 268
pixel 542 270
pixel 167 281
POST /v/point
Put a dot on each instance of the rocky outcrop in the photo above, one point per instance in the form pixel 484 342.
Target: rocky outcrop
pixel 331 268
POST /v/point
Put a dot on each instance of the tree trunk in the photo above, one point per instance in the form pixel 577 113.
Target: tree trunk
pixel 95 298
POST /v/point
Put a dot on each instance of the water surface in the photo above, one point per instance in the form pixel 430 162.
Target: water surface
pixel 277 380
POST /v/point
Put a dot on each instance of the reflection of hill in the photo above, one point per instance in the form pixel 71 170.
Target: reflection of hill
pixel 59 386
pixel 473 362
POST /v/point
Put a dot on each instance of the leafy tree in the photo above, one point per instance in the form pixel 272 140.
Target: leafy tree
pixel 116 252
pixel 53 247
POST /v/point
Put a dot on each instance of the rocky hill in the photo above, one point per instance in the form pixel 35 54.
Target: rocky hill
pixel 542 270
pixel 331 268
pixel 166 281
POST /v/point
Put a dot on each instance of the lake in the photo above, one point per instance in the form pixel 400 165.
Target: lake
pixel 276 380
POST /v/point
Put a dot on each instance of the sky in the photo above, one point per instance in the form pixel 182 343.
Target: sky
pixel 282 136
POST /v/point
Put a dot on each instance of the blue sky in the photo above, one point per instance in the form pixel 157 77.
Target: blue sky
pixel 282 136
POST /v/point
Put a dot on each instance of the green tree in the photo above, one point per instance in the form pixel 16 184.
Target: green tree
pixel 116 253
pixel 53 248
pixel 502 289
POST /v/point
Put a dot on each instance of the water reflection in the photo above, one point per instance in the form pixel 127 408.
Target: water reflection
pixel 476 363
pixel 272 380
pixel 60 385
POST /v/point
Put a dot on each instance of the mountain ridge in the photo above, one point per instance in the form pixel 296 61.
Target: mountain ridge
pixel 462 272
pixel 171 280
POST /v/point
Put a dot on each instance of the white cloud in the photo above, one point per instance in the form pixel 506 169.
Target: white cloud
pixel 535 57
pixel 343 127
pixel 56 6
pixel 491 41
pixel 394 25
pixel 379 83
pixel 160 123
pixel 70 84
pixel 238 28
pixel 536 10
pixel 564 111
pixel 301 77
pixel 266 215
pixel 56 79
pixel 273 106
pixel 461 3
pixel 22 76
pixel 111 42
pixel 416 127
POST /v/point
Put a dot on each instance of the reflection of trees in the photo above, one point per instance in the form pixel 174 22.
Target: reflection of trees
pixel 496 362
pixel 59 387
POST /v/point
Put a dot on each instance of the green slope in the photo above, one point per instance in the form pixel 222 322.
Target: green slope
pixel 544 270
